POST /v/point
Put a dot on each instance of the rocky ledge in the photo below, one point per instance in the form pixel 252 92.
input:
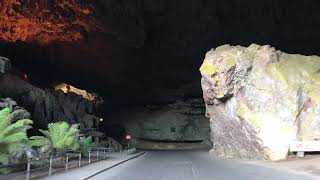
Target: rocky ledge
pixel 259 100
pixel 47 105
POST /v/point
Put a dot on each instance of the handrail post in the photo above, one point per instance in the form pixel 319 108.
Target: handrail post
pixel 67 162
pixel 89 157
pixel 97 154
pixel 28 169
pixel 79 159
pixel 50 166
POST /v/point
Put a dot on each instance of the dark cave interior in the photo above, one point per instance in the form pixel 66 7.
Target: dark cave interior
pixel 144 54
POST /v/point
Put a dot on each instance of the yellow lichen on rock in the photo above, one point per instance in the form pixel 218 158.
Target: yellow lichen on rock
pixel 208 69
pixel 298 69
pixel 245 113
pixel 276 93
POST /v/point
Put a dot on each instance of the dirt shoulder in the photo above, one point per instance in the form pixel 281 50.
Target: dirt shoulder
pixel 309 165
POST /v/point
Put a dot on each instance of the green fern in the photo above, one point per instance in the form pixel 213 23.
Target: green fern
pixel 59 136
pixel 86 145
pixel 13 136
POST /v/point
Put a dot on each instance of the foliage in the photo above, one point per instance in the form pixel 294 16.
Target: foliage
pixel 13 136
pixel 59 136
pixel 86 144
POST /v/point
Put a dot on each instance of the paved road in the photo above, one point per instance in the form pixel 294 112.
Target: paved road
pixel 187 165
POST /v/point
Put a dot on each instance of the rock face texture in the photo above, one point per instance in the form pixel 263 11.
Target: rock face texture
pixel 66 88
pixel 138 37
pixel 17 112
pixel 174 120
pixel 259 100
pixel 5 65
pixel 47 105
pixel 45 21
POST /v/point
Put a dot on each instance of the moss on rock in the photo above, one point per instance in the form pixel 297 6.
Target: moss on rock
pixel 276 93
pixel 208 69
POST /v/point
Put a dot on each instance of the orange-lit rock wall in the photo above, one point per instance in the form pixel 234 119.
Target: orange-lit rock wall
pixel 44 21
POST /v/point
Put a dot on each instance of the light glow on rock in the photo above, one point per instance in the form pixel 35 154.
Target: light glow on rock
pixel 68 88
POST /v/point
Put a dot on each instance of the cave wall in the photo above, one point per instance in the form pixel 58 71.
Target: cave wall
pixel 45 21
pixel 175 119
pixel 130 51
pixel 48 106
pixel 66 39
pixel 127 46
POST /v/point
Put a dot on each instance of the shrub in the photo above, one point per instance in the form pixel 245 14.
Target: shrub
pixel 13 136
pixel 59 136
pixel 86 145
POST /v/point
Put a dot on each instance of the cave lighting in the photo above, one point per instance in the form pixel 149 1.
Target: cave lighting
pixel 68 88
pixel 25 76
pixel 128 137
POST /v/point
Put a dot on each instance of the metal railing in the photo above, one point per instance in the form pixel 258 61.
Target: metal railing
pixel 46 166
pixel 112 143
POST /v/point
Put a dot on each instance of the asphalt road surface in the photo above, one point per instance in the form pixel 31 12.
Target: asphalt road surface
pixel 191 165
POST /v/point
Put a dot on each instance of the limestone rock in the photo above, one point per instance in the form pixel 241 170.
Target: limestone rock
pixel 7 103
pixel 48 106
pixel 268 97
pixel 165 124
pixel 47 21
pixel 5 65
pixel 66 88
pixel 17 112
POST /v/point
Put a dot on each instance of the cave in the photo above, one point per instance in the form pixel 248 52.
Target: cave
pixel 142 57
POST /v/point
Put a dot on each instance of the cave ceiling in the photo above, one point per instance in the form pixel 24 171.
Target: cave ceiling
pixel 129 49
pixel 46 21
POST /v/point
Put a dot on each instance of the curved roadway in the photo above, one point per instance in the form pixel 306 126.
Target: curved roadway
pixel 191 165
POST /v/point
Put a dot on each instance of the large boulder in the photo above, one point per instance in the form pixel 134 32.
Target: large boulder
pixel 259 100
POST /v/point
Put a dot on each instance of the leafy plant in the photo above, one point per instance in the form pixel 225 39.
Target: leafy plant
pixel 13 136
pixel 59 136
pixel 86 145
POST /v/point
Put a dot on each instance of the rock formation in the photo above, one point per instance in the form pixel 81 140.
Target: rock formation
pixel 48 105
pixel 174 120
pixel 259 100
pixel 17 112
pixel 45 21
pixel 5 65
pixel 66 88
pixel 48 36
